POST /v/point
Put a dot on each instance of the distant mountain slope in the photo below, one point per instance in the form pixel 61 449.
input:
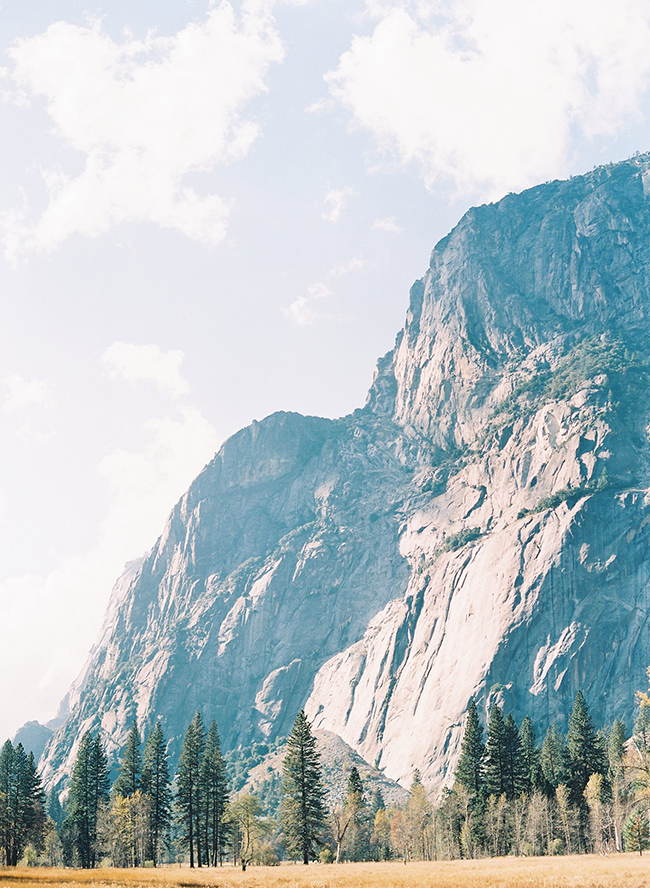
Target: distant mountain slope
pixel 480 528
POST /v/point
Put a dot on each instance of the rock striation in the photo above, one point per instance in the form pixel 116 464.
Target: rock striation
pixel 481 528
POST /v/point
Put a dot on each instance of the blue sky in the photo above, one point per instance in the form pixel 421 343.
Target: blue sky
pixel 209 212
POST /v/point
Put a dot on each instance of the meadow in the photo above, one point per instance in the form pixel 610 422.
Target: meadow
pixel 585 871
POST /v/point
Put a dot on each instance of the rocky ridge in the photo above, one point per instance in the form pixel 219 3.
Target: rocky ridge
pixel 480 528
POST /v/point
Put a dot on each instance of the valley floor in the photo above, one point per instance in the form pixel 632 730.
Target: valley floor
pixel 532 872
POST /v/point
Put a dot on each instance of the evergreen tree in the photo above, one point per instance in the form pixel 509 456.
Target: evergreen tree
pixel 54 809
pixel 128 780
pixel 378 803
pixel 188 793
pixel 554 760
pixel 22 803
pixel 637 833
pixel 214 784
pixel 156 784
pixel 88 792
pixel 585 749
pixel 303 809
pixel 355 804
pixel 513 765
pixel 531 769
pixel 496 780
pixel 469 772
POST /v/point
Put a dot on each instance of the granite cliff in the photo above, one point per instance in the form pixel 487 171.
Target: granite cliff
pixel 480 527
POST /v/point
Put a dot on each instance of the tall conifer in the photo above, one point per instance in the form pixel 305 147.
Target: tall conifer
pixel 214 786
pixel 303 809
pixel 188 795
pixel 128 780
pixel 156 784
pixel 586 754
pixel 496 780
pixel 469 772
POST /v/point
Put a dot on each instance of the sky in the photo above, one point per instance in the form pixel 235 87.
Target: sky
pixel 210 211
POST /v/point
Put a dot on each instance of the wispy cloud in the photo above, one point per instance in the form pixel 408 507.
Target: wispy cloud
pixel 135 363
pixel 142 115
pixel 304 309
pixel 388 224
pixel 335 202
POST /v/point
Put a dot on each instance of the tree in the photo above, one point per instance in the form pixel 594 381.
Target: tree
pixel 637 833
pixel 355 804
pixel 513 766
pixel 22 803
pixel 188 793
pixel 88 794
pixel 303 809
pixel 496 780
pixel 531 769
pixel 469 772
pixel 156 784
pixel 128 780
pixel 246 814
pixel 585 750
pixel 214 785
pixel 554 760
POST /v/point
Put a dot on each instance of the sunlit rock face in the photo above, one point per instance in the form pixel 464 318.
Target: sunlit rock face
pixel 480 528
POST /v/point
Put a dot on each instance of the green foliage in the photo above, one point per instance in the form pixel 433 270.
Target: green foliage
pixel 554 760
pixel 128 780
pixel 22 803
pixel 586 755
pixel 469 771
pixel 496 780
pixel 460 539
pixel 303 807
pixel 214 783
pixel 637 833
pixel 156 784
pixel 626 373
pixel 188 789
pixel 88 796
pixel 531 769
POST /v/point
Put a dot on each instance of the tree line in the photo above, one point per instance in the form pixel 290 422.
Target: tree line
pixel 586 791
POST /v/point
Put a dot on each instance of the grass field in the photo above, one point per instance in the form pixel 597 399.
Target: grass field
pixel 533 872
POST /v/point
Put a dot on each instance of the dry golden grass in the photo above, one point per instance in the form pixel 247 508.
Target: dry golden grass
pixel 538 872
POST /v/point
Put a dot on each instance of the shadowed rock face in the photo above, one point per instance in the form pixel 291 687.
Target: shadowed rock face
pixel 383 568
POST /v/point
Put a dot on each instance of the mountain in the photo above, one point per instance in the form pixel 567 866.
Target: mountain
pixel 34 737
pixel 337 759
pixel 480 528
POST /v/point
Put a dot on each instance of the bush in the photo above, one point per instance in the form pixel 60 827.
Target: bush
pixel 326 856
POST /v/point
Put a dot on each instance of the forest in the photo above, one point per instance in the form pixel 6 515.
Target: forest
pixel 583 791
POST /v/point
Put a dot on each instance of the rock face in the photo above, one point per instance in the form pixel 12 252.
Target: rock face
pixel 480 528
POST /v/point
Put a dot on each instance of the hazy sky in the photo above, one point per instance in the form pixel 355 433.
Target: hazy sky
pixel 209 212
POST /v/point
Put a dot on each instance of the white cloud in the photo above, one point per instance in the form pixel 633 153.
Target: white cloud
pixel 388 223
pixel 335 202
pixel 142 115
pixel 17 393
pixel 303 310
pixel 490 93
pixel 60 613
pixel 124 360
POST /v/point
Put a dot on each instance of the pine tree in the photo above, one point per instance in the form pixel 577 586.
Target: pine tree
pixel 531 769
pixel 513 766
pixel 585 749
pixel 496 780
pixel 188 794
pixel 214 785
pixel 88 792
pixel 128 780
pixel 156 784
pixel 637 833
pixel 54 809
pixel 22 803
pixel 378 803
pixel 469 772
pixel 554 760
pixel 303 809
